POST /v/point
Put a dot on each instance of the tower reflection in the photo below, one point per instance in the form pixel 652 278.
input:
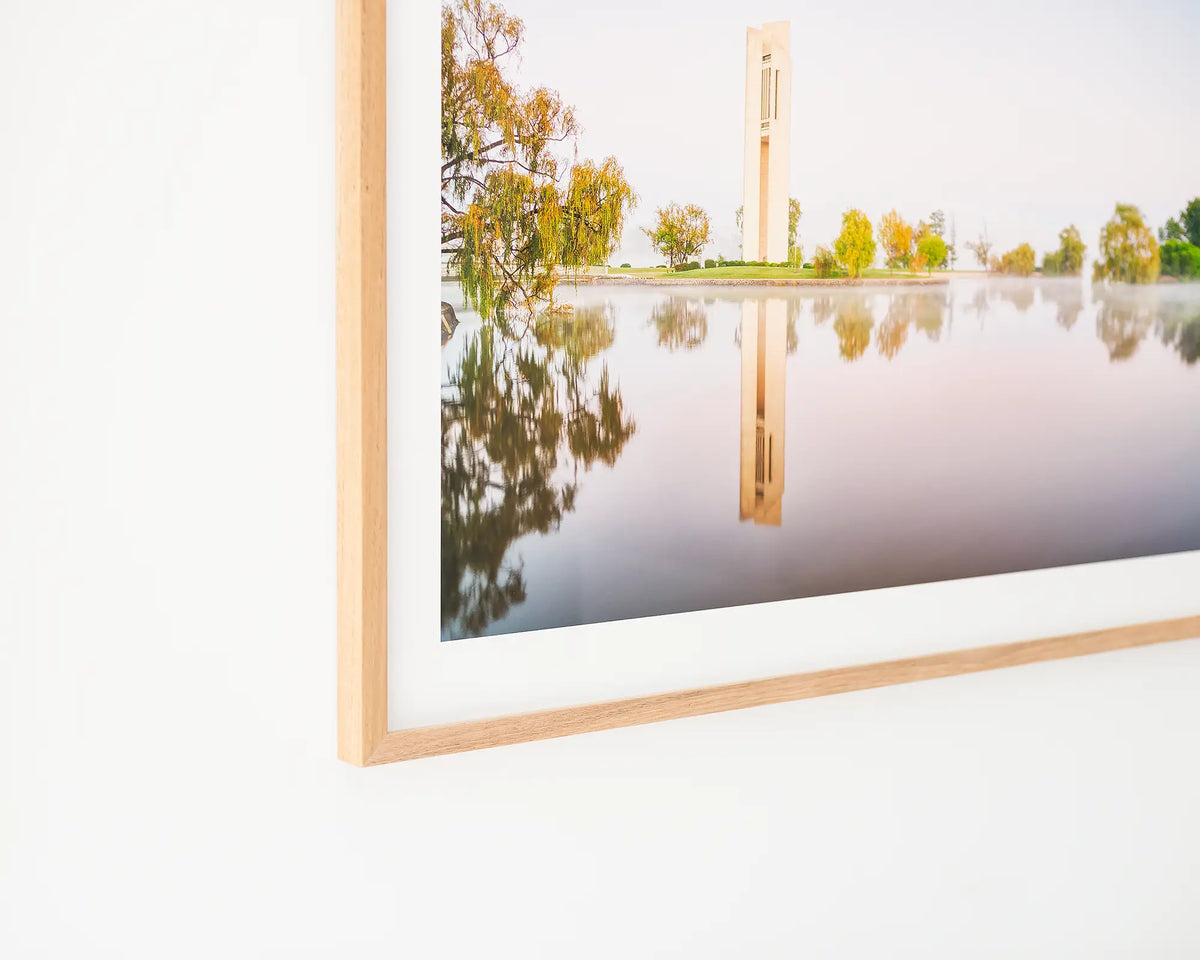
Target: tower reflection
pixel 764 359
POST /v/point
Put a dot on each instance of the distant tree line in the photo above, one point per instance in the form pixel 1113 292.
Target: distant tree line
pixel 918 248
pixel 1128 249
pixel 520 209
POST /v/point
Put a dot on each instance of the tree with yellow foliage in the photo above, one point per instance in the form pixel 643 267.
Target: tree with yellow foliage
pixel 1128 250
pixel 1021 261
pixel 896 236
pixel 679 233
pixel 855 247
pixel 515 210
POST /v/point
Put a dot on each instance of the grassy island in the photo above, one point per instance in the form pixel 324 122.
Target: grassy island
pixel 750 273
pixel 767 276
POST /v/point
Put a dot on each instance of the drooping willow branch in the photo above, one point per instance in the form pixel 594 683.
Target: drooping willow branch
pixel 515 214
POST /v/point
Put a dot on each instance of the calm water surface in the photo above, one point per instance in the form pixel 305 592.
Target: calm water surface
pixel 668 449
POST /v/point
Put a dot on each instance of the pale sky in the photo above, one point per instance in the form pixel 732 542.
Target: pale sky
pixel 1027 115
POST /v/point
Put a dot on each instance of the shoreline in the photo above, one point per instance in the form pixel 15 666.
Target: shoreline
pixel 680 281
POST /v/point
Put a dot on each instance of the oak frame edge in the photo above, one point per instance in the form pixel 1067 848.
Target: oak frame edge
pixel 423 742
pixel 361 165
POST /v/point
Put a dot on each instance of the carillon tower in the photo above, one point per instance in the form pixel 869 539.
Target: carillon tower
pixel 768 142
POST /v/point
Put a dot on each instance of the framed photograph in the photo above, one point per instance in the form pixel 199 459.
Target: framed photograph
pixel 693 358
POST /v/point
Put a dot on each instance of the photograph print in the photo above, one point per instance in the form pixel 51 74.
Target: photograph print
pixel 747 303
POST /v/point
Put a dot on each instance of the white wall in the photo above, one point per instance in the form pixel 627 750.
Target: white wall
pixel 168 785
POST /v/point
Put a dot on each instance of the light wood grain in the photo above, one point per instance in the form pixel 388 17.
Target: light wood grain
pixel 362 377
pixel 547 724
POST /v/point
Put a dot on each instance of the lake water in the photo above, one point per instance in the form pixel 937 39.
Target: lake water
pixel 659 450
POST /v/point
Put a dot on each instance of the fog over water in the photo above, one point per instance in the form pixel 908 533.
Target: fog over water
pixel 667 449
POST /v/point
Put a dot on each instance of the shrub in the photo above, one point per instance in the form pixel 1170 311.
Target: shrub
pixel 824 262
pixel 1181 259
pixel 710 264
pixel 626 266
pixel 808 265
pixel 693 265
pixel 1021 262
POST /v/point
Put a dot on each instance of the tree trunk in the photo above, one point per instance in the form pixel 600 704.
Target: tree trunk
pixel 449 322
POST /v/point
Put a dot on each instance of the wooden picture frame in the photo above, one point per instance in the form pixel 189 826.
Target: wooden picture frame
pixel 364 737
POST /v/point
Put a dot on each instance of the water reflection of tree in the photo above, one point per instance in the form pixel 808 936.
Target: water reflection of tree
pixel 981 302
pixel 682 324
pixel 1179 329
pixel 1019 293
pixel 923 311
pixel 518 421
pixel 1067 297
pixel 793 319
pixel 823 309
pixel 853 326
pixel 581 334
pixel 893 331
pixel 891 335
pixel 930 312
pixel 1124 320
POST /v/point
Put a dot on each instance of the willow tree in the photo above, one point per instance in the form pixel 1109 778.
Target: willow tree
pixel 515 211
pixel 1067 260
pixel 1128 250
